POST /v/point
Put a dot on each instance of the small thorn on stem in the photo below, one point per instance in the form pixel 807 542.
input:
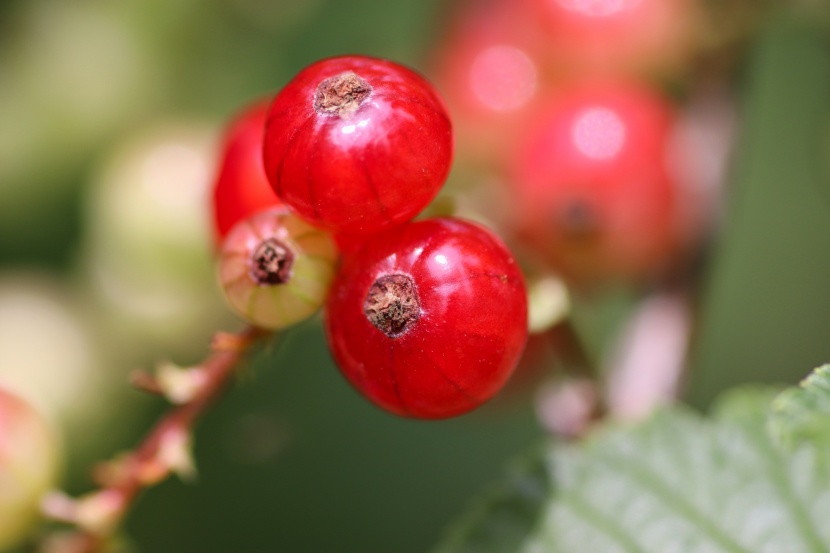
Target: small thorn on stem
pixel 180 385
pixel 165 449
pixel 177 384
pixel 175 451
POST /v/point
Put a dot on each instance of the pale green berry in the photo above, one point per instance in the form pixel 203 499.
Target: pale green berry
pixel 275 269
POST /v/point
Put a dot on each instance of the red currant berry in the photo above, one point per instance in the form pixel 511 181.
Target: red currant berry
pixel 350 243
pixel 488 70
pixel 592 186
pixel 619 34
pixel 242 188
pixel 355 144
pixel 275 269
pixel 430 319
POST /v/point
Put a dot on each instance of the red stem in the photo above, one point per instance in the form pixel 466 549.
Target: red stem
pixel 143 467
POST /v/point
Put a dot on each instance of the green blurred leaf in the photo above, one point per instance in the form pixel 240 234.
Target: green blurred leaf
pixel 803 413
pixel 677 483
pixel 508 513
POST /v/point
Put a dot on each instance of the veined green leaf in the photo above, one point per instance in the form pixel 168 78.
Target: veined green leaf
pixel 677 483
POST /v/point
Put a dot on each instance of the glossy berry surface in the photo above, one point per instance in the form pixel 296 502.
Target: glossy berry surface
pixel 428 320
pixel 275 269
pixel 242 188
pixel 592 187
pixel 356 144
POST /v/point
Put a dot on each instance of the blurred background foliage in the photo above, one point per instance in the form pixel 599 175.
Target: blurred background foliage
pixel 293 459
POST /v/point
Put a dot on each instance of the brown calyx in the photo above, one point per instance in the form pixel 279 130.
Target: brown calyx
pixel 392 304
pixel 341 95
pixel 272 263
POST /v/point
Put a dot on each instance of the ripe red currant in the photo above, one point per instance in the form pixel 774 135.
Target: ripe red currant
pixel 592 187
pixel 619 34
pixel 490 74
pixel 430 319
pixel 242 188
pixel 355 144
pixel 275 269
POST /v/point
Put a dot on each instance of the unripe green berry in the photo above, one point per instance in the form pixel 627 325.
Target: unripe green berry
pixel 275 269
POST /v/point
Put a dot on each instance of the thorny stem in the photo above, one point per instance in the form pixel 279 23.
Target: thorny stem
pixel 164 450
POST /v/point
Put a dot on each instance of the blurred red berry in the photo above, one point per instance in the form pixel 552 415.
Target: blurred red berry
pixel 355 144
pixel 428 320
pixel 592 187
pixel 242 188
pixel 611 35
pixel 490 73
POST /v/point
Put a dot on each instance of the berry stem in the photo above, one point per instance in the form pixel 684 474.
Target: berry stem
pixel 164 450
pixel 567 340
pixel 572 406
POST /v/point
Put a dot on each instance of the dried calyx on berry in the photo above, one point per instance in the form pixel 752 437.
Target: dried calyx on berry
pixel 341 95
pixel 428 320
pixel 392 304
pixel 272 262
pixel 275 269
pixel 356 144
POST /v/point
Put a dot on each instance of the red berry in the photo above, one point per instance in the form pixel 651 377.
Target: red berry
pixel 618 34
pixel 275 269
pixel 592 187
pixel 355 144
pixel 490 74
pixel 347 244
pixel 430 319
pixel 242 188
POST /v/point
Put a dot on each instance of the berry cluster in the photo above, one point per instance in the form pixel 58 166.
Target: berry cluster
pixel 563 101
pixel 427 319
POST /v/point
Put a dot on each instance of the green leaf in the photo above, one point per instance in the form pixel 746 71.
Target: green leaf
pixel 803 413
pixel 677 483
pixel 506 514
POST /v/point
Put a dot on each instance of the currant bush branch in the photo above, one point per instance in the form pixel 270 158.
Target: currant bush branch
pixel 164 450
